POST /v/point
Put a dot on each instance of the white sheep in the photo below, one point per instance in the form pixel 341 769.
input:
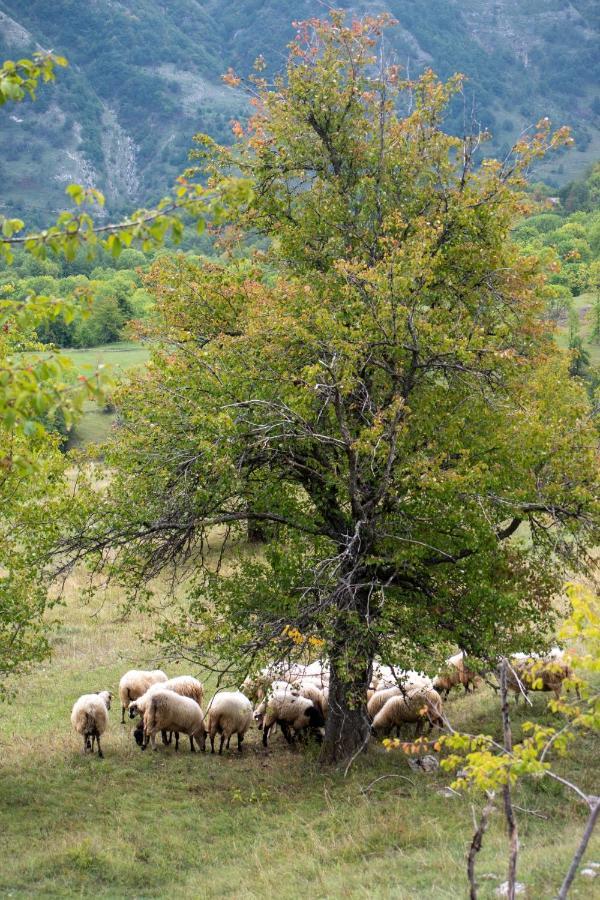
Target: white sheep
pixel 229 713
pixel 135 683
pixel 417 706
pixel 168 711
pixel 184 685
pixel 89 718
pixel 256 687
pixel 292 713
pixel 319 697
pixel 379 699
pixel 385 677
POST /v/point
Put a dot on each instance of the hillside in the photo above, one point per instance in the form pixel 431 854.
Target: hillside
pixel 144 76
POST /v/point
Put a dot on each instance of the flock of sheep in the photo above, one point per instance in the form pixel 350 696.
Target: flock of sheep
pixel 294 697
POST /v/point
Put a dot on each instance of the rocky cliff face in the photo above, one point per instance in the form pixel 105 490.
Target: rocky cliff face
pixel 145 75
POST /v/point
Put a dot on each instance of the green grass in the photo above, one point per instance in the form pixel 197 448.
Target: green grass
pixel 94 427
pixel 119 356
pixel 258 825
pixel 583 304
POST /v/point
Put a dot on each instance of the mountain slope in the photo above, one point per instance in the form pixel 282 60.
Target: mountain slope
pixel 145 75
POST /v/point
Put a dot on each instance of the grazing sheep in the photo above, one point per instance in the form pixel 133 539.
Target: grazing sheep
pixel 318 671
pixel 456 673
pixel 319 697
pixel 526 671
pixel 294 714
pixel 229 713
pixel 379 699
pixel 89 718
pixel 184 685
pixel 135 683
pixel 418 706
pixel 256 687
pixel 385 677
pixel 168 711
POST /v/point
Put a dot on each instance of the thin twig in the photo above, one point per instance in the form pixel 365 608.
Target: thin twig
pixel 381 777
pixel 531 812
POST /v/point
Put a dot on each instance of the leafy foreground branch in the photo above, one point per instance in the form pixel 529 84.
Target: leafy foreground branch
pixel 376 386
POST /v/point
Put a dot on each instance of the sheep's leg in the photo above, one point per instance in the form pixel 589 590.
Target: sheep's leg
pixel 418 728
pixel 93 737
pixel 192 748
pixel 285 730
pixel 212 743
pixel 265 737
pixel 228 742
pixel 221 744
pixel 100 753
pixel 176 741
pixel 122 715
pixel 240 741
pixel 86 743
pixel 165 737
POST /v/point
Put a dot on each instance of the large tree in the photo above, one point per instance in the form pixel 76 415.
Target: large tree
pixel 377 386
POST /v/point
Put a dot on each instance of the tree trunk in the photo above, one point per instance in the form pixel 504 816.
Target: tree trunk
pixel 348 729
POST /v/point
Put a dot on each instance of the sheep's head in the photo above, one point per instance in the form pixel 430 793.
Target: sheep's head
pixel 133 709
pixel 259 714
pixel 139 735
pixel 315 717
pixel 106 697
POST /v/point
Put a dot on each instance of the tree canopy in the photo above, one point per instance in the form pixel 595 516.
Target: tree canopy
pixel 377 387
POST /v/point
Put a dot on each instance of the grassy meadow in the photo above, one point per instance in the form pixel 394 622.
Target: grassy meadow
pixel 95 425
pixel 583 304
pixel 119 356
pixel 260 824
